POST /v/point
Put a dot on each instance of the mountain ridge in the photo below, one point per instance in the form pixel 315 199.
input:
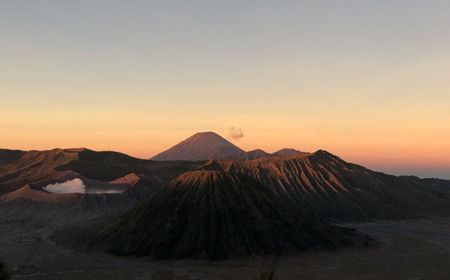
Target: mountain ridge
pixel 210 145
pixel 318 181
pixel 214 215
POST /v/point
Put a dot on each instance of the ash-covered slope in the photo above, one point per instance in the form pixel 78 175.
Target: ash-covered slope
pixel 327 185
pixel 319 182
pixel 29 167
pixel 23 176
pixel 201 146
pixel 214 215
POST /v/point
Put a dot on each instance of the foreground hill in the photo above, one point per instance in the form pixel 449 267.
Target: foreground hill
pixel 212 214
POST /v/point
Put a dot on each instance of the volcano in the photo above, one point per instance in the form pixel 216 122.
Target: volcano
pixel 214 215
pixel 318 182
pixel 223 203
pixel 202 146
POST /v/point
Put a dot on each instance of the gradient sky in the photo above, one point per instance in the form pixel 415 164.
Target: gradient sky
pixel 366 80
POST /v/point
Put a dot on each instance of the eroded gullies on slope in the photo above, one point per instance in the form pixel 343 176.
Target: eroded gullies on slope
pixel 214 215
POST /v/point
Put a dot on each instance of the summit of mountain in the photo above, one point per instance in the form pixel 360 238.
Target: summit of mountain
pixel 201 146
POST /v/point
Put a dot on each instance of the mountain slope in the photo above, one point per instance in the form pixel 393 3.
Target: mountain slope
pixel 32 166
pixel 255 154
pixel 327 185
pixel 213 214
pixel 24 175
pixel 7 156
pixel 287 152
pixel 201 146
pixel 319 182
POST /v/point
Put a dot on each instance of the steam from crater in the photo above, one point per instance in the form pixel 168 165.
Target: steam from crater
pixel 70 186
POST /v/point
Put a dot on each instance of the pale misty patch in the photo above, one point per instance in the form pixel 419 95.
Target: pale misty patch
pixel 109 191
pixel 70 186
pixel 236 133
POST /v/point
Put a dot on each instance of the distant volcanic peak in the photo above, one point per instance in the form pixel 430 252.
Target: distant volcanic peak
pixel 202 146
pixel 254 154
pixel 205 134
pixel 209 137
pixel 260 151
pixel 288 152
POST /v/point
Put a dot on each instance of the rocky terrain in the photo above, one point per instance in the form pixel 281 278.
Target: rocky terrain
pixel 72 205
pixel 318 182
pixel 213 215
pixel 408 249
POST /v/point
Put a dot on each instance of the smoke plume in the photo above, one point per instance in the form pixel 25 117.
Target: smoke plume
pixel 70 186
pixel 236 133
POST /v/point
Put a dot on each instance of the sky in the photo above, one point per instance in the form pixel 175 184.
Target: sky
pixel 366 80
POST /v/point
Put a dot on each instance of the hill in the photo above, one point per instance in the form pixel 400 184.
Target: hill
pixel 214 215
pixel 325 184
pixel 25 175
pixel 255 154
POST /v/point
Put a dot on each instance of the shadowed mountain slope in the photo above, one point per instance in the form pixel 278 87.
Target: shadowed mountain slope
pixel 107 166
pixel 25 175
pixel 326 184
pixel 7 156
pixel 214 215
pixel 202 146
pixel 319 182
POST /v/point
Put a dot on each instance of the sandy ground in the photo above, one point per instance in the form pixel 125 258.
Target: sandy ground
pixel 409 250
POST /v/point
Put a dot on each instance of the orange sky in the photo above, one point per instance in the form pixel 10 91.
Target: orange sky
pixel 367 80
pixel 380 138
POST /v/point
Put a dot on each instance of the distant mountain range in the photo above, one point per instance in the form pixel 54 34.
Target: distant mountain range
pixel 206 189
pixel 210 145
pixel 318 181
